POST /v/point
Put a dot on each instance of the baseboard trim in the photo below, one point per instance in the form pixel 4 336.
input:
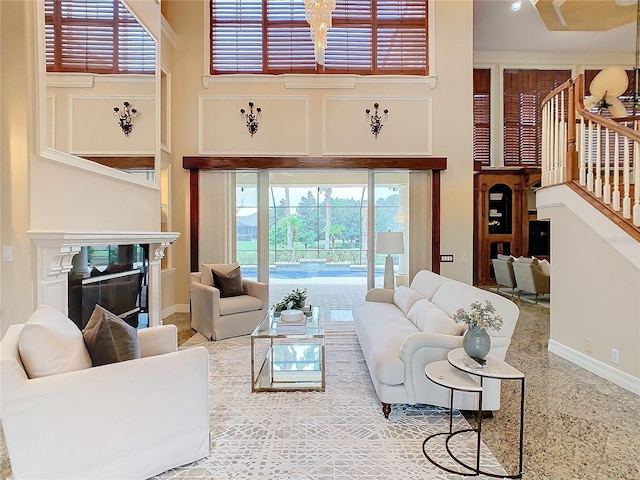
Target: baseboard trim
pixel 175 308
pixel 622 379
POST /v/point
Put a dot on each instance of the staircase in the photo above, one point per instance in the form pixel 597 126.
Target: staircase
pixel 597 157
pixel 590 193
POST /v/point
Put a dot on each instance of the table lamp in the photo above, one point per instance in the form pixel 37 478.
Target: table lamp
pixel 389 243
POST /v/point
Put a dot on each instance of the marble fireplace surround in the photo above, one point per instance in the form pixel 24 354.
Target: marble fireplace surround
pixel 55 252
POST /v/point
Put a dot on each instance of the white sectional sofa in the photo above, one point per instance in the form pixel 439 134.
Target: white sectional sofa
pixel 402 330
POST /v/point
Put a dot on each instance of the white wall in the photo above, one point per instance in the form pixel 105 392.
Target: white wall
pixel 41 193
pixel 595 288
pixel 329 120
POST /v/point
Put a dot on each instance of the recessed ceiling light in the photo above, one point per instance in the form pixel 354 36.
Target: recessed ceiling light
pixel 515 6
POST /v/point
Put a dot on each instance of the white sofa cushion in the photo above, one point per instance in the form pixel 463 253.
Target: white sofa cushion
pixel 50 343
pixel 405 298
pixel 238 304
pixel 427 283
pixel 429 318
pixel 386 329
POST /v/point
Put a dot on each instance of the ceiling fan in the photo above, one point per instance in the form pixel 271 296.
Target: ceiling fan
pixel 605 89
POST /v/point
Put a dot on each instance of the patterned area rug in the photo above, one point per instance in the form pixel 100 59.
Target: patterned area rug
pixel 337 434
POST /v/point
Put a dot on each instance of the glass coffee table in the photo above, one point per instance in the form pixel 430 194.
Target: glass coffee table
pixel 288 359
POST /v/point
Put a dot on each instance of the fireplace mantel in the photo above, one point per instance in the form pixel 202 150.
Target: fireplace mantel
pixel 55 252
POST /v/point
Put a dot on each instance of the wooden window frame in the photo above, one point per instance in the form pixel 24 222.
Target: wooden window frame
pixel 348 16
pixel 115 58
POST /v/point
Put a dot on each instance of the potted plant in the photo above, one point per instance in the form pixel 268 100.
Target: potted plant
pixel 294 300
pixel 476 341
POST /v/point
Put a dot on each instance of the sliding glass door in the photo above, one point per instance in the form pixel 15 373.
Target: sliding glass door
pixel 318 231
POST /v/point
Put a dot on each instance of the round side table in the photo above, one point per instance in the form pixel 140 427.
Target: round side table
pixel 457 374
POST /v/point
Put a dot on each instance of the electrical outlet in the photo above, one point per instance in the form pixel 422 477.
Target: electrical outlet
pixel 615 356
pixel 446 258
pixel 588 345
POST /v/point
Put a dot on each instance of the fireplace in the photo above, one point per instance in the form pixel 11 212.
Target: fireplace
pixel 56 251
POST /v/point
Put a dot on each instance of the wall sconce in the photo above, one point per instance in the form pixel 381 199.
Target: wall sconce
pixel 125 118
pixel 376 120
pixel 251 119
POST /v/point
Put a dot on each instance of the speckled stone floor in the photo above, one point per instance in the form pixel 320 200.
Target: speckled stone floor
pixel 577 425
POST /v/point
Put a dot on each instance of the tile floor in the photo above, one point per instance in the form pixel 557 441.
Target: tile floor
pixel 577 425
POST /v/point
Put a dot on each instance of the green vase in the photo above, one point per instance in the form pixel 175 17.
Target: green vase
pixel 476 342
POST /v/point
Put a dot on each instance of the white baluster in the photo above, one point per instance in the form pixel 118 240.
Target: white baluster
pixel 589 157
pixel 626 200
pixel 606 192
pixel 615 202
pixel 556 140
pixel 598 183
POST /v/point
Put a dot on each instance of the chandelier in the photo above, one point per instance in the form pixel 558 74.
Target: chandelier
pixel 318 14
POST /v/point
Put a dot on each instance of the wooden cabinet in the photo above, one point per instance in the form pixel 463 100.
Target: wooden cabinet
pixel 504 205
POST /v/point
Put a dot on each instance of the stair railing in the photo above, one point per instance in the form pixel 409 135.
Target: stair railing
pixel 596 153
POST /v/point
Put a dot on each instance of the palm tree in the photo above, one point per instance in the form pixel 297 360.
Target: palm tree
pixel 327 209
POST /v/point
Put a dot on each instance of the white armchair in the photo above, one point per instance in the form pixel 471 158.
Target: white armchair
pixel 217 318
pixel 126 420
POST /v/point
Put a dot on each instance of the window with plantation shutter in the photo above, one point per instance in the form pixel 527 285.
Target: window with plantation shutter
pixel 96 36
pixel 272 37
pixel 524 91
pixel 482 116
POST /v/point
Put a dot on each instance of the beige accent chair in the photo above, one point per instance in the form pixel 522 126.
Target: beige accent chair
pixel 503 270
pixel 218 318
pixel 128 420
pixel 531 277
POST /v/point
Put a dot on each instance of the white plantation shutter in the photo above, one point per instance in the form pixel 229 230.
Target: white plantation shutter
pixel 96 36
pixel 272 36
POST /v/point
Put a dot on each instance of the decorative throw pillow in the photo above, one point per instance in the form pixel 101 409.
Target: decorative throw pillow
pixel 229 284
pixel 50 343
pixel 545 267
pixel 206 277
pixel 429 318
pixel 109 339
pixel 405 297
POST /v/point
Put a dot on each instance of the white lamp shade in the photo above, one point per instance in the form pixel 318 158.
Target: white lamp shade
pixel 389 242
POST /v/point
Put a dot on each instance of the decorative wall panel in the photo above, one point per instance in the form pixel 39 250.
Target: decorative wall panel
pixel 94 130
pixel 282 128
pixel 406 131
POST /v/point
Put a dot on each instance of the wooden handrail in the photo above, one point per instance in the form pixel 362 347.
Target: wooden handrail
pixel 604 121
pixel 558 89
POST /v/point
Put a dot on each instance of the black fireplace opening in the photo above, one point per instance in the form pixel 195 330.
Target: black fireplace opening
pixel 114 277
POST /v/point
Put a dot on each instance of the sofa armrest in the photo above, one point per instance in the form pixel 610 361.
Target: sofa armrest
pixel 158 340
pixel 205 308
pixel 257 289
pixel 381 295
pixel 435 341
